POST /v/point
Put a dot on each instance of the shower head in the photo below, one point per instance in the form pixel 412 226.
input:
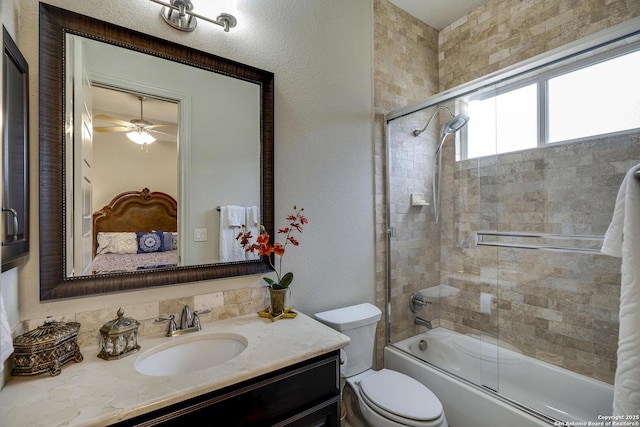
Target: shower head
pixel 451 127
pixel 455 124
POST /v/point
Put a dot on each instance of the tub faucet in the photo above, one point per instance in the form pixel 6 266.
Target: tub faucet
pixel 422 322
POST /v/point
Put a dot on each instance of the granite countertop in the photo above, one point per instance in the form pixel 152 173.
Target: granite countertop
pixel 99 392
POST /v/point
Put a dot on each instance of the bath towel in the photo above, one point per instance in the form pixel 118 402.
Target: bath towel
pixel 6 342
pixel 253 225
pixel 231 218
pixel 622 239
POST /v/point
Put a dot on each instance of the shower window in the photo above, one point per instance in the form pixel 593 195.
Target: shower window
pixel 588 97
pixel 595 100
pixel 503 123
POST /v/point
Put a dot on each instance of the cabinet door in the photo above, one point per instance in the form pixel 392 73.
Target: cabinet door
pixel 15 155
pixel 324 415
pixel 306 394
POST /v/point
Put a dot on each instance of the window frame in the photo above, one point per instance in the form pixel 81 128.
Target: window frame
pixel 541 76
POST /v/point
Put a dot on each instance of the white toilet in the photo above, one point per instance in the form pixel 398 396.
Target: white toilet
pixel 385 398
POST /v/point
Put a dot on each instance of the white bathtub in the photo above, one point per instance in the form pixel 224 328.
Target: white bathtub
pixel 555 392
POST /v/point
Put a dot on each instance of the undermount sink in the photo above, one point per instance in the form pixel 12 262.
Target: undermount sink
pixel 190 354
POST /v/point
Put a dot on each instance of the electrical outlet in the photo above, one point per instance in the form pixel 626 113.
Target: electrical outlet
pixel 199 234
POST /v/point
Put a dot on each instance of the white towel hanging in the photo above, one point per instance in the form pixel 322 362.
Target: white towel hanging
pixel 6 341
pixel 231 218
pixel 622 239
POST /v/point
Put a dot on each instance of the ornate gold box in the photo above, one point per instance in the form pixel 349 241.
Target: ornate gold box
pixel 46 348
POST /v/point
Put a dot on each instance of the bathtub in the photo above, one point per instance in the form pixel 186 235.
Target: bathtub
pixel 531 392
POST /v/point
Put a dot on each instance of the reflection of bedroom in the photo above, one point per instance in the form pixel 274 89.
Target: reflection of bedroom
pixel 121 165
pixel 213 142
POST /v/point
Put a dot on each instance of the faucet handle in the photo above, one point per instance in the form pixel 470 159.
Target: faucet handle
pixel 172 323
pixel 417 301
pixel 196 319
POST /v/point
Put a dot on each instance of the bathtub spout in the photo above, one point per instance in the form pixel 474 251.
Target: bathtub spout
pixel 422 322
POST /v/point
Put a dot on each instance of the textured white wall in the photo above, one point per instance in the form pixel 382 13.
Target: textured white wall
pixel 321 54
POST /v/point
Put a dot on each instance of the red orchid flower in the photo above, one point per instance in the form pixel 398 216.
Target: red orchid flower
pixel 264 248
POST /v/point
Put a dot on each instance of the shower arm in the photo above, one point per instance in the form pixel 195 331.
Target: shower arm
pixel 417 132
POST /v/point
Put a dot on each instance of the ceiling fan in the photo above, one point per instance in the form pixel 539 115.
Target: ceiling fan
pixel 138 130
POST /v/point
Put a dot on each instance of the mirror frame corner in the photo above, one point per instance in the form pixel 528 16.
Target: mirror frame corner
pixel 55 23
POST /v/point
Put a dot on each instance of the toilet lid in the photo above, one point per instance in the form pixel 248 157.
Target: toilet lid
pixel 401 395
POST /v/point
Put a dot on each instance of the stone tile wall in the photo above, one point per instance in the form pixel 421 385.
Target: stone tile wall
pixel 505 32
pixel 222 305
pixel 558 307
pixel 405 71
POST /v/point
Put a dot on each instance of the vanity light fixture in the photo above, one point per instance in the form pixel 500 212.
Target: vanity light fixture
pixel 178 14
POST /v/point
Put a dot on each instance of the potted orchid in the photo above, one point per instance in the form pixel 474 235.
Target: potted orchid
pixel 262 246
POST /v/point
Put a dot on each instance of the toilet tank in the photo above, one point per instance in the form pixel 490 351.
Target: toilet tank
pixel 358 322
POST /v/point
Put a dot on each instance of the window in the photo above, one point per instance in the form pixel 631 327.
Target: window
pixel 596 96
pixel 503 123
pixel 595 100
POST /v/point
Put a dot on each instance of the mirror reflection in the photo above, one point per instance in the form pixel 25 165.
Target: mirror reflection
pixel 165 161
pixel 224 146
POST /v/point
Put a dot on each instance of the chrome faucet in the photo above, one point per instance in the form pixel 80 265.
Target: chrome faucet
pixel 186 319
pixel 417 301
pixel 422 322
pixel 189 322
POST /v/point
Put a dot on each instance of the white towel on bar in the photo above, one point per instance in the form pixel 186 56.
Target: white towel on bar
pixel 231 218
pixel 6 342
pixel 253 225
pixel 622 239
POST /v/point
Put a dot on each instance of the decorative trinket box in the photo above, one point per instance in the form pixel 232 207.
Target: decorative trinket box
pixel 46 348
pixel 119 337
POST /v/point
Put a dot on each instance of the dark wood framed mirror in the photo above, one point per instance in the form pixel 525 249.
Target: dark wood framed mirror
pixel 55 25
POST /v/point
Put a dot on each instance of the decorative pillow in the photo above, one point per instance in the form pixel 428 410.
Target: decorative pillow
pixel 117 243
pixel 150 242
pixel 170 241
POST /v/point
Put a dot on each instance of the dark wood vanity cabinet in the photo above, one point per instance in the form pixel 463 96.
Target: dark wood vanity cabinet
pixel 302 395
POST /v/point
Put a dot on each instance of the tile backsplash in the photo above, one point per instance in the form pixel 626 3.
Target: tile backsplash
pixel 223 305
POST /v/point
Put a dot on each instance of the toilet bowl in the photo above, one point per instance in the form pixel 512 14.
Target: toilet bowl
pixel 383 398
pixel 388 398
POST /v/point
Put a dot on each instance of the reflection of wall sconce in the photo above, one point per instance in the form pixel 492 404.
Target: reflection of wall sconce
pixel 178 14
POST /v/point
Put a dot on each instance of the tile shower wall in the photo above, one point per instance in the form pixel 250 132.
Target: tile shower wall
pixel 505 32
pixel 558 307
pixel 561 308
pixel 415 241
pixel 497 35
pixel 405 71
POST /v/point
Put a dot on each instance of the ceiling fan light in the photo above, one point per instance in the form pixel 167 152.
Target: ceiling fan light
pixel 140 137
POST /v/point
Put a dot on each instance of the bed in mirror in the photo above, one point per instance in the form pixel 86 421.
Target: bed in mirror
pixel 210 120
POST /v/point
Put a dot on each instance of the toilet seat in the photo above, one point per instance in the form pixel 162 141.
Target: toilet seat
pixel 400 398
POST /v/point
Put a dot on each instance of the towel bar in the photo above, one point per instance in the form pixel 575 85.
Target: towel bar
pixel 594 240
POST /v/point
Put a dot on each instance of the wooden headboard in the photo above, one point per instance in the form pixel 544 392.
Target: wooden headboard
pixel 136 211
